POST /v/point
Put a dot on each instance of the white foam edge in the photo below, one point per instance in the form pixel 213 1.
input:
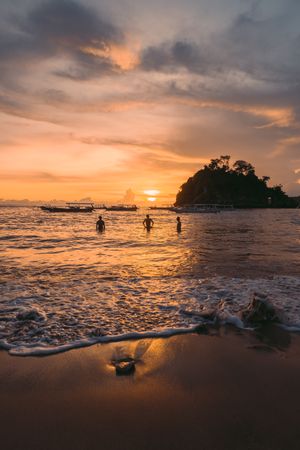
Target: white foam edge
pixel 44 350
pixel 40 350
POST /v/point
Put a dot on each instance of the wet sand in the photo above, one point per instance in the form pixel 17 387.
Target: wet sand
pixel 226 390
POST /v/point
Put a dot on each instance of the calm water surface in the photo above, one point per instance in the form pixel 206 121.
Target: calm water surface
pixel 74 284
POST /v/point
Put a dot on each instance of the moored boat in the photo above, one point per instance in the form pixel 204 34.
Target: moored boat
pixel 197 208
pixel 121 208
pixel 70 207
pixel 99 206
pixel 161 208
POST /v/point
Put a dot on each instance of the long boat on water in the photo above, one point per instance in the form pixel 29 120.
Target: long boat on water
pixel 99 206
pixel 121 208
pixel 202 208
pixel 161 208
pixel 70 207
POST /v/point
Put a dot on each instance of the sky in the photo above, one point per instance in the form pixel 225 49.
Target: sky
pixel 103 97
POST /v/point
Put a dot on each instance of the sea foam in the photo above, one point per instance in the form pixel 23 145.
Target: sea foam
pixel 41 325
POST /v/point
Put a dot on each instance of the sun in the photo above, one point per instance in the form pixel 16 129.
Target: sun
pixel 151 199
pixel 152 192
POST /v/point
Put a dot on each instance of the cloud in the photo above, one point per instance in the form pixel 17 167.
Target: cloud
pixel 264 49
pixel 54 96
pixel 247 69
pixel 87 67
pixel 174 56
pixel 68 24
pixel 128 197
pixel 164 96
pixel 41 177
pixel 60 28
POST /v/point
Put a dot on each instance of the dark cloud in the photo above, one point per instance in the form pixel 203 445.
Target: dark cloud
pixel 263 48
pixel 66 23
pixel 253 62
pixel 167 57
pixel 62 28
pixel 266 48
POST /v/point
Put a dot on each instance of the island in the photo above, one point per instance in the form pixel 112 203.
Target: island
pixel 236 184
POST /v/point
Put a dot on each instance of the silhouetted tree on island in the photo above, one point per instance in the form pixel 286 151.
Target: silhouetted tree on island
pixel 217 182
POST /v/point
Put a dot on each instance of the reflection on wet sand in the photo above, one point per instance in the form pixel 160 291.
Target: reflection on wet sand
pixel 181 388
pixel 274 336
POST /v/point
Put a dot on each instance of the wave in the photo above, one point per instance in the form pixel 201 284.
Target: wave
pixel 41 350
pixel 259 312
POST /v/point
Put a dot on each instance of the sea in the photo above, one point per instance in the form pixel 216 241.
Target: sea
pixel 63 285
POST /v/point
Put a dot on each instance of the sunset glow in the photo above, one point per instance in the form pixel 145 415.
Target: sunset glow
pixel 152 192
pixel 98 98
pixel 149 224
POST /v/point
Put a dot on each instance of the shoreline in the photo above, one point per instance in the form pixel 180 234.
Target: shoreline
pixel 229 389
pixel 202 328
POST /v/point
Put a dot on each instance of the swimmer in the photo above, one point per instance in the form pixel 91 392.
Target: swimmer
pixel 100 225
pixel 148 223
pixel 178 225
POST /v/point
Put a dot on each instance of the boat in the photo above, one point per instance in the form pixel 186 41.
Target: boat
pixel 99 206
pixel 197 208
pixel 160 208
pixel 226 207
pixel 70 207
pixel 121 208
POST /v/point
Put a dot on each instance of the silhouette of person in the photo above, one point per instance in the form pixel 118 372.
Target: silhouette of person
pixel 100 225
pixel 178 225
pixel 148 223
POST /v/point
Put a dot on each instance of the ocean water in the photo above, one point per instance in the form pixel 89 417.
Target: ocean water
pixel 63 285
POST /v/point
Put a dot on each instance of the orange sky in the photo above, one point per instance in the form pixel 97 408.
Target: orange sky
pixel 97 99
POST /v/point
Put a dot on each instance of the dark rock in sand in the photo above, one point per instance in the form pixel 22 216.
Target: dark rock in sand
pixel 274 336
pixel 202 328
pixel 125 367
pixel 33 314
pixel 261 311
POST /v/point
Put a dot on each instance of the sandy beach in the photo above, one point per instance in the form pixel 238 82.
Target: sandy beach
pixel 225 390
pixel 149 225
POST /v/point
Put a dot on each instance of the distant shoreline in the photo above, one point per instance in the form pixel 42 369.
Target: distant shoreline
pixel 153 211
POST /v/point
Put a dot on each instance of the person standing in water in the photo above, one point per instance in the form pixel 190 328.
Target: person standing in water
pixel 100 225
pixel 178 225
pixel 148 223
